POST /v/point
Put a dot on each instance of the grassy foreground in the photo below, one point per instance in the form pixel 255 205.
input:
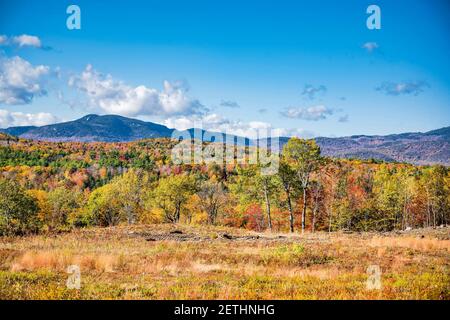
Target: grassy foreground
pixel 183 262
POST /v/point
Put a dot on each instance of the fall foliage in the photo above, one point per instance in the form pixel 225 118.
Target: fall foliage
pixel 61 186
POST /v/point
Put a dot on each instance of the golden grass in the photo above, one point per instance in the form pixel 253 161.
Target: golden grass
pixel 59 261
pixel 121 263
pixel 415 243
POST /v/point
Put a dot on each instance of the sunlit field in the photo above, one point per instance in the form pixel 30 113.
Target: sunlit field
pixel 184 262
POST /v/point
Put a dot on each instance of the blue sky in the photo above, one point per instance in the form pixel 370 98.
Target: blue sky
pixel 303 67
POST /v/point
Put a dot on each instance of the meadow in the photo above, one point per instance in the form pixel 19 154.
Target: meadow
pixel 166 261
pixel 139 226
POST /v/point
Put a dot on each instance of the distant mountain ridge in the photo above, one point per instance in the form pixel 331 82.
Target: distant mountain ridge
pixel 431 147
pixel 107 128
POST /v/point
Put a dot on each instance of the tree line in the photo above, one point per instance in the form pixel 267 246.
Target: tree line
pixel 43 190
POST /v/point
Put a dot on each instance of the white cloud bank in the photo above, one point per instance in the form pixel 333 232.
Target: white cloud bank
pixel 26 40
pixel 172 104
pixel 20 81
pixel 13 119
pixel 218 123
pixel 403 88
pixel 23 40
pixel 314 113
pixel 116 97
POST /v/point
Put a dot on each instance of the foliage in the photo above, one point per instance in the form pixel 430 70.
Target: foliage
pixel 171 195
pixel 18 210
pixel 70 185
pixel 122 200
pixel 303 156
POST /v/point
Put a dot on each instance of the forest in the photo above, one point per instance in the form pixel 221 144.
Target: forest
pixel 61 186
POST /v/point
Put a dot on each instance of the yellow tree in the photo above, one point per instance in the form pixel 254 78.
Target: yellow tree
pixel 303 156
pixel 171 195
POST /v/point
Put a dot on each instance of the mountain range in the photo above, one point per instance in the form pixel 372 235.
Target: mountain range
pixel 431 147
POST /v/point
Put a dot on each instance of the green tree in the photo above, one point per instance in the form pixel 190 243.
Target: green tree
pixel 121 200
pixel 103 207
pixel 388 198
pixel 64 203
pixel 304 158
pixel 437 188
pixel 251 185
pixel 131 188
pixel 18 210
pixel 171 195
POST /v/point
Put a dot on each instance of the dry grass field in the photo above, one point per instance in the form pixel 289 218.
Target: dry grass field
pixel 184 262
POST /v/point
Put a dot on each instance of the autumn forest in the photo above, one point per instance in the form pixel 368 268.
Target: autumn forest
pixel 58 187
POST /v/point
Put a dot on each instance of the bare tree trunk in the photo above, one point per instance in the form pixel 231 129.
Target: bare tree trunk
pixel 266 196
pixel 329 222
pixel 434 217
pixel 331 207
pixel 316 197
pixel 404 222
pixel 291 213
pixel 130 218
pixel 304 211
pixel 316 208
pixel 314 221
pixel 177 213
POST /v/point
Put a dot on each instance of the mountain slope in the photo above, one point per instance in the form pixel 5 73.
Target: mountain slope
pixel 417 148
pixel 17 131
pixel 432 147
pixel 108 128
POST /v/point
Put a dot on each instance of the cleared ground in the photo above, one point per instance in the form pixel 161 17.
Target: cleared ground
pixel 184 262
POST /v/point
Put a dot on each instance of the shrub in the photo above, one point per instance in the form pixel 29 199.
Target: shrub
pixel 18 210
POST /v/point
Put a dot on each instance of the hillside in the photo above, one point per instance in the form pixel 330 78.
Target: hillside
pixel 432 147
pixel 108 128
pixel 418 148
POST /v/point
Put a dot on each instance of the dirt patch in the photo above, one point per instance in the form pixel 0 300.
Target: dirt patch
pixel 177 235
pixel 181 236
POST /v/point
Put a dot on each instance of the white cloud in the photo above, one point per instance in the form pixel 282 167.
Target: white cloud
pixel 299 133
pixel 27 40
pixel 229 104
pixel 403 88
pixel 370 46
pixel 314 113
pixel 218 123
pixel 311 92
pixel 116 97
pixel 23 40
pixel 13 119
pixel 20 81
pixel 3 40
